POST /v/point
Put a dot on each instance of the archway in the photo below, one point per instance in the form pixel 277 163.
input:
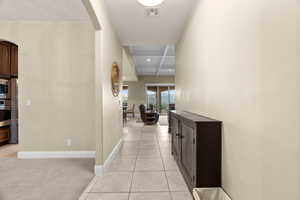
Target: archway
pixel 9 136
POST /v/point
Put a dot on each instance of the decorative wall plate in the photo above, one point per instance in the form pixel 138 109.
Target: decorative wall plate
pixel 115 79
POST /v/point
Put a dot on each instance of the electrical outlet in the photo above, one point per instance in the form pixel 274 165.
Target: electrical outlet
pixel 68 142
pixel 28 102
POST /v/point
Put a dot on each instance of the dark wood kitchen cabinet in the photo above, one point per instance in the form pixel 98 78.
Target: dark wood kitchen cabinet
pixel 8 59
pixel 14 60
pixel 197 148
pixel 4 134
pixel 5 48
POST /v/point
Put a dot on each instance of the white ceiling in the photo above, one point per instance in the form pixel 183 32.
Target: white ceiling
pixel 148 37
pixel 135 28
pixel 43 10
pixel 162 60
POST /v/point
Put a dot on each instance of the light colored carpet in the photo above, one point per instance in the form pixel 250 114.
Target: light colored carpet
pixel 44 179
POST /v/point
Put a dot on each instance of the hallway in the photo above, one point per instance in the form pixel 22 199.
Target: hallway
pixel 142 170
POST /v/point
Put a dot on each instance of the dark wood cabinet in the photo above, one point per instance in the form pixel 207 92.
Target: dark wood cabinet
pixel 14 60
pixel 176 142
pixel 4 134
pixel 197 148
pixel 5 59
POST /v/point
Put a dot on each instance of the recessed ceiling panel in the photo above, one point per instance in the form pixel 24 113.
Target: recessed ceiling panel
pixel 154 60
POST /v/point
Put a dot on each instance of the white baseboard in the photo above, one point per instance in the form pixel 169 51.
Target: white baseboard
pixel 113 154
pixel 99 168
pixel 56 154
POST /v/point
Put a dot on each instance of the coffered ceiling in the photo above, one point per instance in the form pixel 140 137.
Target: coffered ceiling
pixel 156 60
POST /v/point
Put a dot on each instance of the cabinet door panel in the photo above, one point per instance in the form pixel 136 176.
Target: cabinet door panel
pixel 175 139
pixel 188 151
pixel 4 58
pixel 14 60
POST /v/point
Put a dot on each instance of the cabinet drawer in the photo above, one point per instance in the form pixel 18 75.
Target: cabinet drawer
pixel 4 134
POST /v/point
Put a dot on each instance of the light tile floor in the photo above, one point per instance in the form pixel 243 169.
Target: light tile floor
pixel 8 151
pixel 144 169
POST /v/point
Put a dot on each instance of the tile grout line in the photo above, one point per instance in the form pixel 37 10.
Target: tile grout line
pixel 171 198
pixel 130 187
pixel 156 133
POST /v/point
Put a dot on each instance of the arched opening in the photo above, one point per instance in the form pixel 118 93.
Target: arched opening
pixel 9 136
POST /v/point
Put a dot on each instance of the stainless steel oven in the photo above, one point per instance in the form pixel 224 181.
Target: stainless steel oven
pixel 5 89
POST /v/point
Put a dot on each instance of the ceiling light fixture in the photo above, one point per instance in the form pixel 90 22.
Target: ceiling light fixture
pixel 148 59
pixel 150 3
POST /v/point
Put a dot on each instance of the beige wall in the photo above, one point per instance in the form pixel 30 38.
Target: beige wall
pixel 238 61
pixel 129 73
pixel 136 89
pixel 108 108
pixel 56 67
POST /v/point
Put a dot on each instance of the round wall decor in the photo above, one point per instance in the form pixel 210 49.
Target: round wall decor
pixel 115 79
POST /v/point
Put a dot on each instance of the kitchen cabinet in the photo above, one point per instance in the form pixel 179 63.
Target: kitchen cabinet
pixel 8 59
pixel 5 48
pixel 4 134
pixel 14 60
pixel 197 148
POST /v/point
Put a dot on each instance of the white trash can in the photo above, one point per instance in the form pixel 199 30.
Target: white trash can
pixel 210 194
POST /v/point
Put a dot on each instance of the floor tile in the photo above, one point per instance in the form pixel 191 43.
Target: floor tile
pixel 108 196
pixel 150 196
pixel 148 143
pixel 131 137
pixel 113 182
pixel 149 153
pixel 128 151
pixel 130 145
pixel 166 152
pixel 144 168
pixel 165 144
pixel 149 182
pixel 164 138
pixel 176 181
pixel 151 164
pixel 121 164
pixel 9 151
pixel 90 185
pixel 170 164
pixel 148 137
pixel 149 146
pixel 124 156
pixel 84 196
pixel 181 196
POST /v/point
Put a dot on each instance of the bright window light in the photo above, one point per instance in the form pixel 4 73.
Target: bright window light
pixel 150 3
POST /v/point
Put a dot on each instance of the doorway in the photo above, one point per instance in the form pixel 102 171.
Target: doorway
pixel 160 96
pixel 8 99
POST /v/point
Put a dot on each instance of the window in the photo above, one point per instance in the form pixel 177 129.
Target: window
pixel 125 95
pixel 160 97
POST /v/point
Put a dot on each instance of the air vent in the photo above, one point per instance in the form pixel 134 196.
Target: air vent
pixel 152 12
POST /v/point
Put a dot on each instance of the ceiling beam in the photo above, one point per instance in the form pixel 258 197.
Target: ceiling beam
pixel 163 58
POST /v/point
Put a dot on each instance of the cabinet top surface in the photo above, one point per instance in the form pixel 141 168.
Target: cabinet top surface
pixel 193 117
